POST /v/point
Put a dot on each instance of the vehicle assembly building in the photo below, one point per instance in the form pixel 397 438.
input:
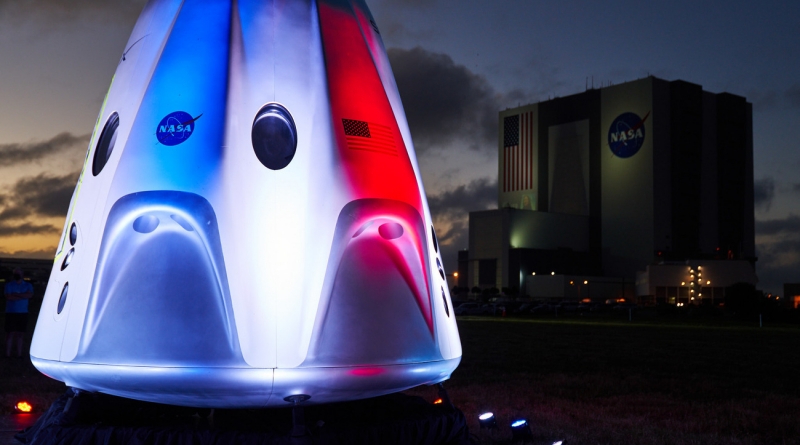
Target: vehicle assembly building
pixel 610 181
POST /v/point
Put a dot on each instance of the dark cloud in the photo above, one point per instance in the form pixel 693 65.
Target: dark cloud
pixel 44 254
pixel 796 187
pixel 778 263
pixel 19 153
pixel 37 196
pixel 778 251
pixel 69 9
pixel 763 192
pixel 412 3
pixel 793 95
pixel 774 98
pixel 772 278
pixel 480 194
pixel 451 209
pixel 763 99
pixel 444 102
pixel 7 229
pixel 788 225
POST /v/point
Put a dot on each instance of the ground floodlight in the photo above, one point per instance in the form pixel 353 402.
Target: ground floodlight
pixel 558 442
pixel 488 421
pixel 521 430
pixel 23 407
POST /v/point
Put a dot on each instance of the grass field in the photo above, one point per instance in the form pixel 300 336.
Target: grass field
pixel 599 381
pixel 616 382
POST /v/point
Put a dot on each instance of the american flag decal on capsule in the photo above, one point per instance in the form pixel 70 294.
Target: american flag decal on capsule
pixel 369 136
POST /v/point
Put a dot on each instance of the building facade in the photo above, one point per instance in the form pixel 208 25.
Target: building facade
pixel 609 181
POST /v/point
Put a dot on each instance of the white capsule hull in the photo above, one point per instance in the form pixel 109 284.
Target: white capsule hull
pixel 250 223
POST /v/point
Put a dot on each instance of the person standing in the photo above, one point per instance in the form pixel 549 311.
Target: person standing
pixel 17 293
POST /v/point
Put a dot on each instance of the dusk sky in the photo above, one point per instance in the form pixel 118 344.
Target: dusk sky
pixel 457 64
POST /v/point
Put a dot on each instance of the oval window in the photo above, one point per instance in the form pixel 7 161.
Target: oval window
pixel 73 234
pixel 63 299
pixel 441 269
pixel 274 136
pixel 105 144
pixel 446 309
pixel 68 258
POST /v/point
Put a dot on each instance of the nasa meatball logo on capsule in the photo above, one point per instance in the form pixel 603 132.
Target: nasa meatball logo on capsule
pixel 626 134
pixel 176 128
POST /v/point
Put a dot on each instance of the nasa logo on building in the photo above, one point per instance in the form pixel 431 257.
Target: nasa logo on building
pixel 176 128
pixel 626 134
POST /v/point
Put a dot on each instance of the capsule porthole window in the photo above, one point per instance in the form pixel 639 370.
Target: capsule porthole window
pixel 105 144
pixel 274 136
pixel 444 300
pixel 63 299
pixel 67 258
pixel 73 234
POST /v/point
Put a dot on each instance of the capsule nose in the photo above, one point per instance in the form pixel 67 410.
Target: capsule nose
pixel 160 295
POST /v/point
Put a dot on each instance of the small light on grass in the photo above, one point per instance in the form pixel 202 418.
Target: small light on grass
pixel 487 421
pixel 521 430
pixel 23 407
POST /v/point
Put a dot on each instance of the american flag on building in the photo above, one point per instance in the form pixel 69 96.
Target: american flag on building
pixel 518 154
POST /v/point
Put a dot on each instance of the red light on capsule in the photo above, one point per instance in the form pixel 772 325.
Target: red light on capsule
pixel 23 407
pixel 437 402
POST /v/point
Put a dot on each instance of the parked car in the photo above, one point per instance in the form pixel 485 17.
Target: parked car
pixel 569 307
pixel 597 307
pixel 541 309
pixel 469 309
pixel 492 309
pixel 522 309
pixel 624 306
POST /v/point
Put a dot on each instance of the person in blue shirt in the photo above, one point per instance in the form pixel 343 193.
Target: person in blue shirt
pixel 17 293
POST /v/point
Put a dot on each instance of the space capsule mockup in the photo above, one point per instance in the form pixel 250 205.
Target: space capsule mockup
pixel 250 223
